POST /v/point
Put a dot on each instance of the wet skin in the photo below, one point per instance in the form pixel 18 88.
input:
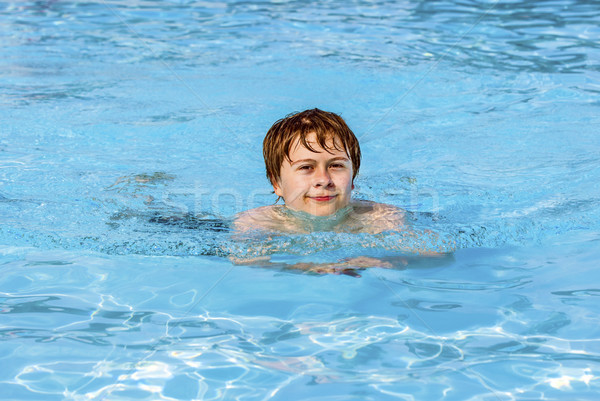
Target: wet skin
pixel 318 183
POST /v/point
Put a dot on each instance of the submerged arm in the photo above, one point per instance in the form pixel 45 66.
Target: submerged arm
pixel 348 267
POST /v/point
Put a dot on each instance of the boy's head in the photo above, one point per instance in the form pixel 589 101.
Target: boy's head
pixel 312 159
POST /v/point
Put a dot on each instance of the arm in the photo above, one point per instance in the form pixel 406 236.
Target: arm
pixel 348 267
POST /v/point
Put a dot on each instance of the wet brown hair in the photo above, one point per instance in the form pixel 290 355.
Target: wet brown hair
pixel 284 133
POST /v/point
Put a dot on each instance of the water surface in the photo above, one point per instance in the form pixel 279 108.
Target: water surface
pixel 131 134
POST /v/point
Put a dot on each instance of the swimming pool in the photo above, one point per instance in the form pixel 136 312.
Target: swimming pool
pixel 131 133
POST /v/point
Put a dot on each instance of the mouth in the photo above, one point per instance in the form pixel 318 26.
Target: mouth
pixel 325 198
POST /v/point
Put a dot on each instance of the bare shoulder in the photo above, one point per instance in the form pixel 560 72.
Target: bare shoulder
pixel 254 219
pixel 364 206
pixel 378 217
pixel 376 209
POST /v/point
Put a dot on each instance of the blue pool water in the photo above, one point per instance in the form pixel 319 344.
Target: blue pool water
pixel 131 133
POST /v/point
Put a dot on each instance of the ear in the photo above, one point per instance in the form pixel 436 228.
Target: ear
pixel 277 189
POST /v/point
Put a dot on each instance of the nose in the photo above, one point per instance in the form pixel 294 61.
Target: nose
pixel 322 178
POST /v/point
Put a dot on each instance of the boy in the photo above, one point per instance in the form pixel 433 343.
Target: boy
pixel 312 159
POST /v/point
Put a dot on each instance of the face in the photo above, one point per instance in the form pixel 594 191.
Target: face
pixel 316 183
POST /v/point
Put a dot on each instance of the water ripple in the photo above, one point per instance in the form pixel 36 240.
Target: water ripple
pixel 225 353
pixel 517 36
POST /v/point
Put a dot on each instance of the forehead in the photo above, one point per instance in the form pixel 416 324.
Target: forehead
pixel 333 145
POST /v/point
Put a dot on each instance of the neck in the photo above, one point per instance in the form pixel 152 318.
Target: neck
pixel 317 223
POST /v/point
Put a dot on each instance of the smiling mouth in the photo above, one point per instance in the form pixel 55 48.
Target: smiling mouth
pixel 323 198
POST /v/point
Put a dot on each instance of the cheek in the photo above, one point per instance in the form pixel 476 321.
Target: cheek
pixel 295 185
pixel 345 181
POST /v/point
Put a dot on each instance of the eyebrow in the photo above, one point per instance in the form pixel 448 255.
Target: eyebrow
pixel 312 160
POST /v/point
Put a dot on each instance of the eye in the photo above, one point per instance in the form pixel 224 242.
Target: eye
pixel 337 165
pixel 305 167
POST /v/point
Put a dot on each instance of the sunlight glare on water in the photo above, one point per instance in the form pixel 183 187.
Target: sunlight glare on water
pixel 131 135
